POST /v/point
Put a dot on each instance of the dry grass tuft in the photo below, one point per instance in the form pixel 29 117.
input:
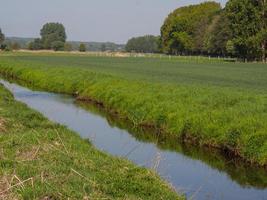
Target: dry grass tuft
pixel 5 193
pixel 2 125
pixel 8 183
pixel 4 185
pixel 29 155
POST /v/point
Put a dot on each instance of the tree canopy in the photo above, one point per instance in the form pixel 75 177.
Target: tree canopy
pixel 36 44
pixel 15 46
pixel 51 33
pixel 183 32
pixel 68 47
pixel 58 46
pixel 53 36
pixel 217 36
pixel 144 44
pixel 82 47
pixel 103 47
pixel 248 23
pixel 239 29
pixel 2 37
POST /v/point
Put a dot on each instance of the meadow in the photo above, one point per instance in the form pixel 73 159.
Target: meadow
pixel 42 160
pixel 198 100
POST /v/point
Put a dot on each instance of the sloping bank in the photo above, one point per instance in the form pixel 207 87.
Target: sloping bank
pixel 227 119
pixel 42 160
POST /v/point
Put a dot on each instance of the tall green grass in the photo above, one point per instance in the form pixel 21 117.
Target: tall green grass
pixel 43 160
pixel 223 105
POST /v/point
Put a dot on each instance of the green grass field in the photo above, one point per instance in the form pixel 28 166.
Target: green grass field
pixel 212 103
pixel 42 160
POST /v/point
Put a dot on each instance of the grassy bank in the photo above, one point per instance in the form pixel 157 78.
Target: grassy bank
pixel 42 160
pixel 223 105
pixel 239 171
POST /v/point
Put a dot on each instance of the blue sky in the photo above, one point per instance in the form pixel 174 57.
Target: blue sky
pixel 89 20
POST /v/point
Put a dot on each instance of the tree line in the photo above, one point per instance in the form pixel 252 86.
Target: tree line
pixel 53 37
pixel 7 46
pixel 143 44
pixel 237 30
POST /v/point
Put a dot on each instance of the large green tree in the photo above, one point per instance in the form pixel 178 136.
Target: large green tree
pixel 248 22
pixel 51 33
pixel 183 32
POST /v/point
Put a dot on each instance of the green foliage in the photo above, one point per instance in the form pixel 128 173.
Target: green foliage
pixel 103 48
pixel 53 37
pixel 15 46
pixel 58 46
pixel 35 45
pixel 183 32
pixel 9 46
pixel 22 42
pixel 90 46
pixel 145 44
pixel 68 47
pixel 3 47
pixel 2 37
pixel 230 47
pixel 6 47
pixel 58 164
pixel 82 47
pixel 52 32
pixel 240 29
pixel 247 21
pixel 182 43
pixel 217 36
pixel 217 104
pixel 244 20
pixel 97 46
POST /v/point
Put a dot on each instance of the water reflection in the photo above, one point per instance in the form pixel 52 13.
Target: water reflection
pixel 243 173
pixel 201 173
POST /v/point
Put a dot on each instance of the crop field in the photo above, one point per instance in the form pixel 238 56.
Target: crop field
pixel 208 102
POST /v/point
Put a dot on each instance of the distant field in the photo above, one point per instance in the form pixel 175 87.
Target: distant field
pixel 175 70
pixel 209 101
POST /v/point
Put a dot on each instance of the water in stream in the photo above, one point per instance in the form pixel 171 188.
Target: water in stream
pixel 198 173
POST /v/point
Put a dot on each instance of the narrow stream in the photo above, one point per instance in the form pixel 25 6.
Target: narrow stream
pixel 199 173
